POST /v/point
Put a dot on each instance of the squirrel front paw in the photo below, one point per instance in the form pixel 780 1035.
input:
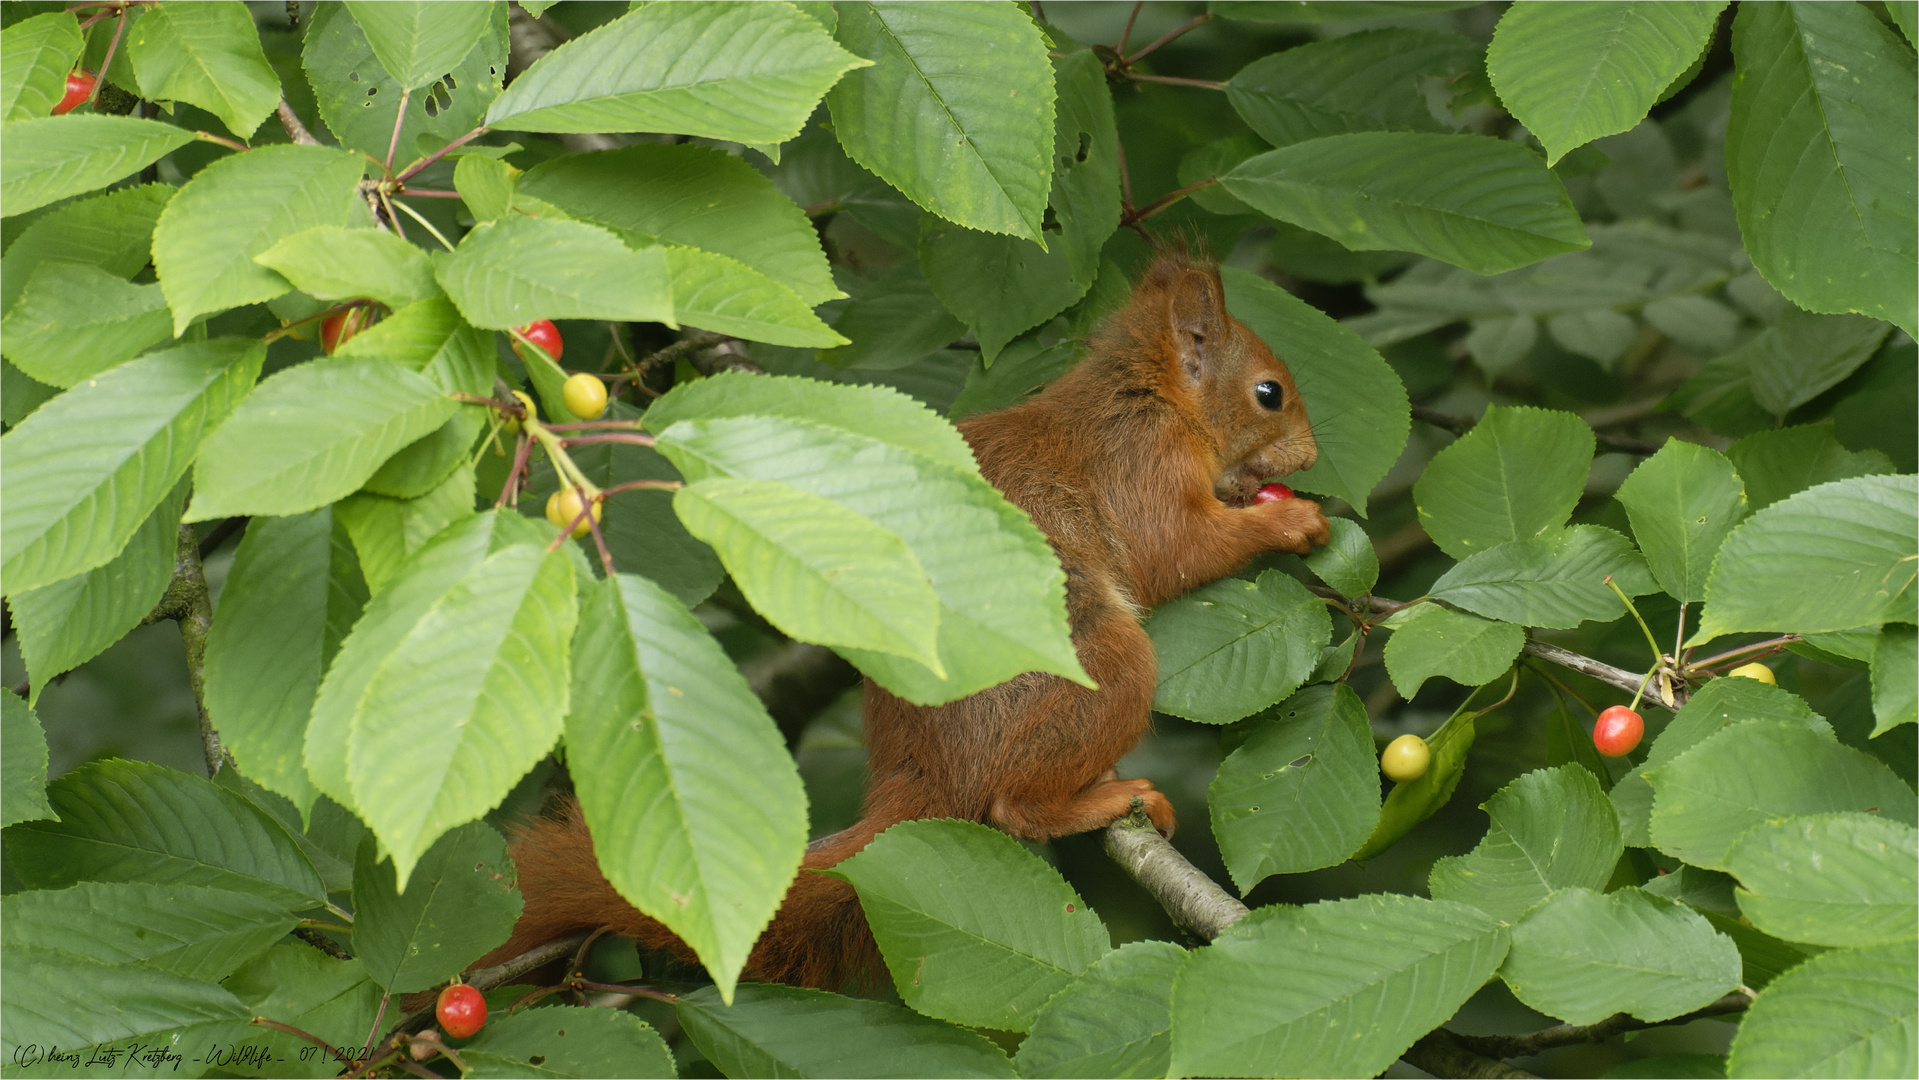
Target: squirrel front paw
pixel 1296 524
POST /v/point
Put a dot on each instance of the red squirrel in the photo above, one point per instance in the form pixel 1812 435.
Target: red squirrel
pixel 1140 466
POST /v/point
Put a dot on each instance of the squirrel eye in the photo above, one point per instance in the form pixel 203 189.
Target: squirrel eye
pixel 1270 395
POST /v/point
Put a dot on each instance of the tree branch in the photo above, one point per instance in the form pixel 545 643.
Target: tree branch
pixel 1576 1034
pixel 1439 1052
pixel 295 129
pixel 1195 901
pixel 188 602
pixel 1586 665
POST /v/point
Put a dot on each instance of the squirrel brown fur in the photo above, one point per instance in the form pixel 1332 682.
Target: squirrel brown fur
pixel 1140 465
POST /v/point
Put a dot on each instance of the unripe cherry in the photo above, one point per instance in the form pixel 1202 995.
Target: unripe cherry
pixel 1406 759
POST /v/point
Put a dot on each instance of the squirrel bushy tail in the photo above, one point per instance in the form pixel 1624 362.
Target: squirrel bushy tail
pixel 818 938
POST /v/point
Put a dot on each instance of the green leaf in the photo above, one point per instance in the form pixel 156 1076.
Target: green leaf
pixel 333 262
pixel 1232 648
pixel 567 1041
pixel 1847 1013
pixel 1348 562
pixel 1781 462
pixel 922 90
pixel 471 697
pixel 71 621
pixel 35 56
pixel 1367 81
pixel 1004 285
pixel 302 986
pixel 75 321
pixel 664 734
pixel 1819 154
pixel 1355 399
pixel 488 186
pixel 1301 793
pixel 189 930
pixel 988 957
pixel 1574 73
pixel 1551 829
pixel 358 99
pixel 891 321
pixel 1386 968
pixel 43 161
pixel 1431 640
pixel 721 71
pixel 1682 502
pixel 772 1030
pixel 458 359
pixel 1582 957
pixel 88 468
pixel 819 571
pixel 414 581
pixel 884 456
pixel 238 207
pixel 1831 558
pixel 208 55
pixel 1555 581
pixel 511 272
pixel 1318 11
pixel 1476 202
pixel 1895 679
pixel 386 530
pixel 23 760
pixel 1760 771
pixel 727 296
pixel 1802 356
pixel 292 594
pixel 112 231
pixel 1409 804
pixel 58 997
pixel 460 903
pixel 695 196
pixel 1711 708
pixel 1115 1020
pixel 417 42
pixel 311 435
pixel 1829 879
pixel 1515 476
pixel 131 821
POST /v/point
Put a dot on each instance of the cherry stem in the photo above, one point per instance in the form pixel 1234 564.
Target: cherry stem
pixel 415 215
pixel 1657 659
pixel 644 485
pixel 612 437
pixel 1174 80
pixel 430 193
pixel 1510 691
pixel 583 425
pixel 207 136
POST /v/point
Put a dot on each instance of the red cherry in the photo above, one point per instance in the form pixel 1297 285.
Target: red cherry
pixel 544 334
pixel 79 88
pixel 337 328
pixel 1272 493
pixel 1617 731
pixel 462 1011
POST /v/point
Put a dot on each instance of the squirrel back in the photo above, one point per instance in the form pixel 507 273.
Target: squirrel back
pixel 1140 465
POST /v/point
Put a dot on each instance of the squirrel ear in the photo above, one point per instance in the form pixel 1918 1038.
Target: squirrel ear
pixel 1197 322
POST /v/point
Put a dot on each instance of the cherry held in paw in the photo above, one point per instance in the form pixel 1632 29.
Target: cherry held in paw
pixel 1618 731
pixel 461 1010
pixel 1272 493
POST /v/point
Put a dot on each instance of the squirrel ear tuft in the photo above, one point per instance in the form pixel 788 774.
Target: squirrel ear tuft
pixel 1196 320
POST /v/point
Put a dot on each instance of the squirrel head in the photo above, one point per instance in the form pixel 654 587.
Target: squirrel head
pixel 1226 378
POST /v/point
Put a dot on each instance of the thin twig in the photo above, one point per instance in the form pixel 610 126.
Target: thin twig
pixel 100 83
pixel 261 1021
pixel 609 437
pixel 414 214
pixel 430 193
pixel 1586 665
pixel 208 136
pixel 1166 200
pixel 1169 36
pixel 426 162
pixel 1439 1052
pixel 1175 80
pixel 1126 34
pixel 188 602
pixel 645 485
pixel 1757 646
pixel 399 121
pixel 323 943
